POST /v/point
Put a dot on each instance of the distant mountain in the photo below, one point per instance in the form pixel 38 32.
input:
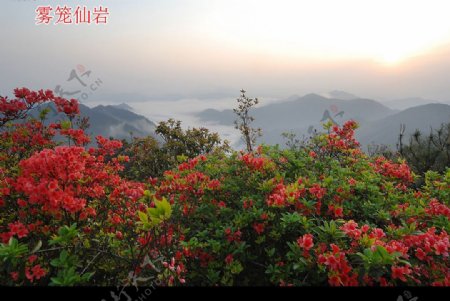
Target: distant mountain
pixel 386 130
pixel 124 106
pixel 111 121
pixel 378 123
pixel 405 103
pixel 302 113
pixel 338 94
pixel 118 123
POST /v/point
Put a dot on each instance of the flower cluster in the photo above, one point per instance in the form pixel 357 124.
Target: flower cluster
pixel 399 171
pixel 342 138
pixel 306 243
pixel 339 271
pixel 69 107
pixel 256 163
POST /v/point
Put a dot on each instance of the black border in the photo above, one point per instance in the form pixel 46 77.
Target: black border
pixel 227 293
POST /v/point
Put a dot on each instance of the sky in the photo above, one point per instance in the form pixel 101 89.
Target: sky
pixel 207 50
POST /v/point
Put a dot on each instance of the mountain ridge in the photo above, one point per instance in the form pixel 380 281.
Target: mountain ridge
pixel 107 121
pixel 378 123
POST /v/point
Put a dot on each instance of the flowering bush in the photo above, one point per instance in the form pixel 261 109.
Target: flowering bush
pixel 326 214
pixel 66 216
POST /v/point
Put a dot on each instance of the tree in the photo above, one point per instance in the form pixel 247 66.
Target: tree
pixel 190 142
pixel 150 157
pixel 431 152
pixel 244 120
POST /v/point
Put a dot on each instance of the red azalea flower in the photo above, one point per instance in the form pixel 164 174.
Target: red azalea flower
pixel 421 254
pixel 317 191
pixel 28 274
pixel 280 263
pixel 331 261
pixel 441 248
pixel 383 281
pixel 229 259
pixel 227 231
pixel 247 204
pixel 306 242
pixel 18 229
pixel 400 272
pixel 351 229
pixel 379 233
pixel 334 280
pixel 321 259
pixel 338 212
pixel 365 228
pixel 38 272
pixel 258 227
pixel 352 182
pixel 21 203
pixel 32 258
pixel 335 248
pixel 14 275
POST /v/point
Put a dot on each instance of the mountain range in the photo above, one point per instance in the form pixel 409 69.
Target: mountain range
pixel 118 121
pixel 386 130
pixel 379 123
pixel 406 103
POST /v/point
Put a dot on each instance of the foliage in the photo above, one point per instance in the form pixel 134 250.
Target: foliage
pixel 150 158
pixel 431 152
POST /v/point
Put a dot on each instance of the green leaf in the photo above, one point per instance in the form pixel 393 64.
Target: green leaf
pixel 87 276
pixel 66 124
pixel 143 217
pixel 55 281
pixel 12 251
pixel 236 267
pixel 43 113
pixel 161 212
